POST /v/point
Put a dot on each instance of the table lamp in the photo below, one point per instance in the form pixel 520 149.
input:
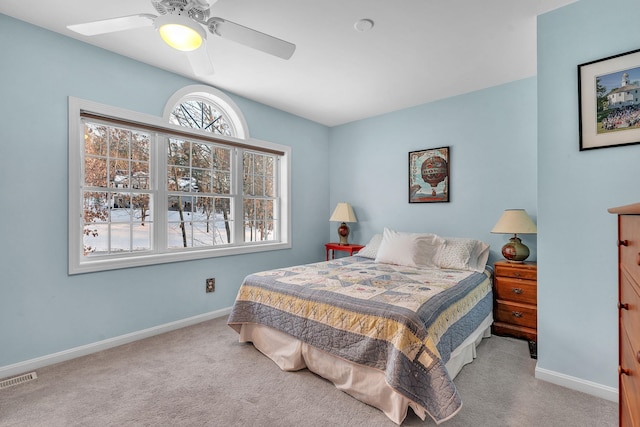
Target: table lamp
pixel 343 213
pixel 515 221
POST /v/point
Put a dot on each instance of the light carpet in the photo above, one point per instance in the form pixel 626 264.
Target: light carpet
pixel 202 376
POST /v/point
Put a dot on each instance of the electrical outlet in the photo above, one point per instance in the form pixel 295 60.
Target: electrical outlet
pixel 210 285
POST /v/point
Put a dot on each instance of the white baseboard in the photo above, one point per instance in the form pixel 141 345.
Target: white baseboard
pixel 72 353
pixel 578 384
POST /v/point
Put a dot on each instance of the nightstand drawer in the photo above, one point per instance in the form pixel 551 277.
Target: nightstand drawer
pixel 517 290
pixel 517 314
pixel 518 271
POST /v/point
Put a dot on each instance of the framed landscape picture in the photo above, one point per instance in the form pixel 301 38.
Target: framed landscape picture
pixel 429 175
pixel 609 101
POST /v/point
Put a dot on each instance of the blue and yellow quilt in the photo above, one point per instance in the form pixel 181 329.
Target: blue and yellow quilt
pixel 404 321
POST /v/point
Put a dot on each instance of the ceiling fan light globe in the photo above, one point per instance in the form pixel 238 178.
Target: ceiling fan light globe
pixel 180 32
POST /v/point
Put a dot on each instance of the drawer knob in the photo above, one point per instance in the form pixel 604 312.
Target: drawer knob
pixel 622 371
pixel 516 274
pixel 638 357
pixel 623 242
pixel 516 290
pixel 623 306
pixel 517 314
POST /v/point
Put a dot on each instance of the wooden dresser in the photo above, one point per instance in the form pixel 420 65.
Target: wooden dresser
pixel 629 313
pixel 515 308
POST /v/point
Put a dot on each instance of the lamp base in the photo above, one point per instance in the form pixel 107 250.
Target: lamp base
pixel 515 251
pixel 343 233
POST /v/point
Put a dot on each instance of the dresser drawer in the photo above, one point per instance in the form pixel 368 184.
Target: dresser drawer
pixel 517 331
pixel 516 313
pixel 630 380
pixel 630 250
pixel 629 408
pixel 630 315
pixel 518 271
pixel 517 290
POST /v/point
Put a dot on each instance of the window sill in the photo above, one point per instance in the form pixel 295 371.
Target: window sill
pixel 97 264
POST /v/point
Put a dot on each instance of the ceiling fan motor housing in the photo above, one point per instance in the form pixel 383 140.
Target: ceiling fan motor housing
pixel 197 10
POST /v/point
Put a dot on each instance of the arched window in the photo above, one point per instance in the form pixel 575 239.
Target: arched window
pixel 203 107
pixel 192 185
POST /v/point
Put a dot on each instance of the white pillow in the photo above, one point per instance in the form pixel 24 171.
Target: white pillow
pixel 428 248
pixel 410 249
pixel 463 254
pixel 371 250
pixel 481 256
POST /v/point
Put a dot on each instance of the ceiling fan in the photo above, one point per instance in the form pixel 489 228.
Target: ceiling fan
pixel 180 25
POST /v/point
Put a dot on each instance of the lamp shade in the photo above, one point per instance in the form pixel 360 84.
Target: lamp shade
pixel 180 32
pixel 515 221
pixel 343 213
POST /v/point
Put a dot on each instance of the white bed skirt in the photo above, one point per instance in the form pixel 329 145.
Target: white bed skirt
pixel 362 382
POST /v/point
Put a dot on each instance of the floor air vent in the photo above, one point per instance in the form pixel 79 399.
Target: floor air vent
pixel 17 380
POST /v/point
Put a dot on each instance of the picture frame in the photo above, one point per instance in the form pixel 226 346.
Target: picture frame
pixel 609 101
pixel 429 175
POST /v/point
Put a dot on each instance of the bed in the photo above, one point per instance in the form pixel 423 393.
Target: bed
pixel 392 326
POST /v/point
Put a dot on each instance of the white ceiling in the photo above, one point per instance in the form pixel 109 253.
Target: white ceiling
pixel 418 50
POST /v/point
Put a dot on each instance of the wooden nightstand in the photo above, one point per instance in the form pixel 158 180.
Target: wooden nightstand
pixel 515 299
pixel 333 247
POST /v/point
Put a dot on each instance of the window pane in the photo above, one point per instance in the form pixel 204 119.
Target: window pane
pixel 222 182
pixel 142 237
pixel 223 224
pixel 248 185
pixel 95 207
pixel 140 146
pixel 120 238
pixel 179 179
pixel 202 156
pixel 95 139
pixel 140 176
pixel 202 180
pixel 142 209
pixel 95 172
pixel 119 142
pixel 119 173
pixel 121 202
pixel 222 158
pixel 95 239
pixel 258 185
pixel 178 152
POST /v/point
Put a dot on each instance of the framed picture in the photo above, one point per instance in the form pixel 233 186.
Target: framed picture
pixel 609 96
pixel 429 175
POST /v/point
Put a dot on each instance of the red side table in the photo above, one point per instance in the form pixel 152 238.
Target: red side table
pixel 333 247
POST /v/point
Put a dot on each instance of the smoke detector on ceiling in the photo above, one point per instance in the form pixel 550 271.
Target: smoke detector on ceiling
pixel 363 25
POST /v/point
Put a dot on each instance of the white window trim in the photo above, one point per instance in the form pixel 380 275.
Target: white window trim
pixel 79 265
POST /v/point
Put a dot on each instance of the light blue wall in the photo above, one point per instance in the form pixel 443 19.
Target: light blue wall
pixel 515 145
pixel 42 309
pixel 577 280
pixel 492 138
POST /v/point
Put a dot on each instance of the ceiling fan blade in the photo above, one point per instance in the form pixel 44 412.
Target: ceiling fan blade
pixel 252 38
pixel 200 62
pixel 112 25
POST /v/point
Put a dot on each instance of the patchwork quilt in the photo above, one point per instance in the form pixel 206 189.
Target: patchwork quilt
pixel 404 321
